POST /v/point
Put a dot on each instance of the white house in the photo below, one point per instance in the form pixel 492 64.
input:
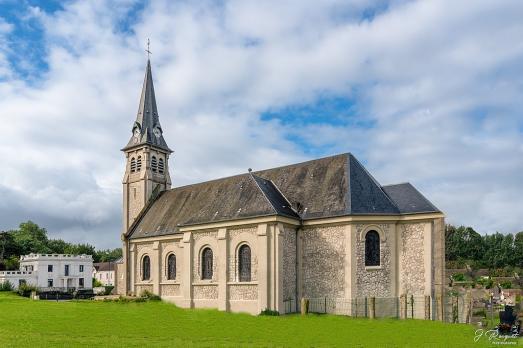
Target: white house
pixel 52 271
pixel 105 272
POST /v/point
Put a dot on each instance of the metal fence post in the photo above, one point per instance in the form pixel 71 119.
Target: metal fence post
pixel 412 306
pixel 427 307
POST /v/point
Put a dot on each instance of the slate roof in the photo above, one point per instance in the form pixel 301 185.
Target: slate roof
pixel 326 187
pixel 147 119
pixel 104 266
pixel 408 199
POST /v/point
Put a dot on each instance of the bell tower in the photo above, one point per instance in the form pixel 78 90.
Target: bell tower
pixel 147 154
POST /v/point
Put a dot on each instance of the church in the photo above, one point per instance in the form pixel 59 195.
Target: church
pixel 263 239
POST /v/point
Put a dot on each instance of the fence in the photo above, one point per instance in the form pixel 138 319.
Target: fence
pixel 453 309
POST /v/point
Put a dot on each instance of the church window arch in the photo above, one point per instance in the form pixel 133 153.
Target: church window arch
pixel 244 263
pixel 146 268
pixel 133 165
pixel 207 263
pixel 372 248
pixel 160 166
pixel 139 163
pixel 171 267
pixel 154 164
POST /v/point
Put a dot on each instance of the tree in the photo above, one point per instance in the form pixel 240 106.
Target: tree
pixel 30 238
pixel 108 255
pixel 518 249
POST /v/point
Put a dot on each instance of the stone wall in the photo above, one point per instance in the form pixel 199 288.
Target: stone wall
pixel 142 288
pixel 373 281
pixel 205 292
pixel 236 237
pixel 243 292
pixel 323 261
pixel 289 263
pixel 412 276
pixel 170 290
pixel 140 250
pixel 202 239
pixel 120 279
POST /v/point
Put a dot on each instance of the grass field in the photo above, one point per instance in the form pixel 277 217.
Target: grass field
pixel 26 323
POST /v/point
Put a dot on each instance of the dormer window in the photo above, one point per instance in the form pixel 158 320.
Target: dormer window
pixel 139 164
pixel 160 166
pixel 154 164
pixel 133 165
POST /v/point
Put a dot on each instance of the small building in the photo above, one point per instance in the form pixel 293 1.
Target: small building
pixel 52 271
pixel 105 272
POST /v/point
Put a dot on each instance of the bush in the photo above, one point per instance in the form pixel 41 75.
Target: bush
pixel 458 277
pixel 6 286
pixel 506 284
pixel 149 296
pixel 269 312
pixel 487 283
pixel 25 290
pixel 108 289
pixel 480 313
pixel 96 283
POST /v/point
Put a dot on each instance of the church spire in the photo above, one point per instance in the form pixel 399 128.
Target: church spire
pixel 146 129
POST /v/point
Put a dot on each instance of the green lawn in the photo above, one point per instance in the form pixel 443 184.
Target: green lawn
pixel 29 323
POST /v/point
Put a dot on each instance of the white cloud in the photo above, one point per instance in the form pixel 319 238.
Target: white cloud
pixel 437 79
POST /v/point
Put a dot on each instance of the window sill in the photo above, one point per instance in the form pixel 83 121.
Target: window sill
pixel 243 283
pixel 200 283
pixel 170 282
pixel 144 283
pixel 372 268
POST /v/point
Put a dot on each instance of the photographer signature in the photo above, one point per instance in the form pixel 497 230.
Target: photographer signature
pixel 492 335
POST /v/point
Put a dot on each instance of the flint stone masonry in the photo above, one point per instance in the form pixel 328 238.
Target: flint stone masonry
pixel 289 263
pixel 205 292
pixel 141 288
pixel 412 275
pixel 197 236
pixel 141 250
pixel 170 290
pixel 243 292
pixel 373 282
pixel 232 259
pixel 323 259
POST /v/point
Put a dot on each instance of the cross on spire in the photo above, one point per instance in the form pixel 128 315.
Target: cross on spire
pixel 148 50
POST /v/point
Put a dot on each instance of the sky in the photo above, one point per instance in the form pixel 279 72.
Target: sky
pixel 427 92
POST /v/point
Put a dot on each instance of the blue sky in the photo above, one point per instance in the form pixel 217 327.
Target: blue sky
pixel 428 92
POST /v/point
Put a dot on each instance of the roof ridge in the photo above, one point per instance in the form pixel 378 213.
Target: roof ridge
pixel 375 182
pixel 251 175
pixel 257 172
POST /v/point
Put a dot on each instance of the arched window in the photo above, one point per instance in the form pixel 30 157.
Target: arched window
pixel 244 264
pixel 139 163
pixel 133 165
pixel 160 166
pixel 372 249
pixel 146 268
pixel 207 263
pixel 171 267
pixel 154 164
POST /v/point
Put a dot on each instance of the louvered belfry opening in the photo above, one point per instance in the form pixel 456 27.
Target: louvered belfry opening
pixel 154 164
pixel 160 166
pixel 139 163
